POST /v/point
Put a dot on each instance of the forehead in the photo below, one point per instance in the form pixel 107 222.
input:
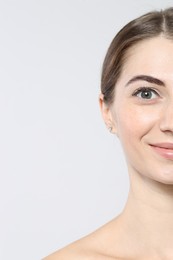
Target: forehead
pixel 152 56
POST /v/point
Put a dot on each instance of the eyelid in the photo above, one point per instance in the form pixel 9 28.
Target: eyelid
pixel 137 91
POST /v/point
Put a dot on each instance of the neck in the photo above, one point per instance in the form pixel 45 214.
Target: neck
pixel 149 214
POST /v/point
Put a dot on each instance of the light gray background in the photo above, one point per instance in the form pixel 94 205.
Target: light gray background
pixel 62 174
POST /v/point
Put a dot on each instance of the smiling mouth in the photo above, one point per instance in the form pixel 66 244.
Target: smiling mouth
pixel 164 149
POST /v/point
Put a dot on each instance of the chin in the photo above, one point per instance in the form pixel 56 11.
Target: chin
pixel 166 178
pixel 166 182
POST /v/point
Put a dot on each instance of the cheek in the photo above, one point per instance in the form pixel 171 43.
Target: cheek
pixel 127 129
pixel 135 122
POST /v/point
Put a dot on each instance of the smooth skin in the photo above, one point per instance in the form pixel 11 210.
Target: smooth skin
pixel 141 116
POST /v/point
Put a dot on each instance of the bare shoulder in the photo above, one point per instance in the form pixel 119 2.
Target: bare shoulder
pixel 67 253
pixel 79 250
pixel 94 247
pixel 71 253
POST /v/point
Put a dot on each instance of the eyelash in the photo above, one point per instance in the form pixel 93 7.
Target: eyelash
pixel 144 89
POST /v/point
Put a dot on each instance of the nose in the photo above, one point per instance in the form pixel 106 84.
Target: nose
pixel 166 122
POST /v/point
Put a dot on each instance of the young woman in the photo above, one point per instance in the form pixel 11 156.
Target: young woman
pixel 136 102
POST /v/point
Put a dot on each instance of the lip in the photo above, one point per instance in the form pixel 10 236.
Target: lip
pixel 164 149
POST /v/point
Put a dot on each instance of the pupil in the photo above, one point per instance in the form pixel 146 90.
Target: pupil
pixel 146 94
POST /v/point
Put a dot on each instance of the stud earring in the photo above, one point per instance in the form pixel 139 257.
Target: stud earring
pixel 110 129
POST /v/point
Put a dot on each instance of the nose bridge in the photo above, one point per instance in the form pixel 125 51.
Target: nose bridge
pixel 166 122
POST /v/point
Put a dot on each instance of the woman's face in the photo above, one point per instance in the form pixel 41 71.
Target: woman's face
pixel 142 112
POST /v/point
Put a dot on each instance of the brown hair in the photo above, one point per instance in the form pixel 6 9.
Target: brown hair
pixel 146 26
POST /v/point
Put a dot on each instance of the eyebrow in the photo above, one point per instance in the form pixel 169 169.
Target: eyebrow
pixel 147 78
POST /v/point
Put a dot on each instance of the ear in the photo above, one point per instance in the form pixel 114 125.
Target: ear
pixel 107 115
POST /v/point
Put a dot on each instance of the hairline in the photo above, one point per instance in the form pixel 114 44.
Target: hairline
pixel 127 53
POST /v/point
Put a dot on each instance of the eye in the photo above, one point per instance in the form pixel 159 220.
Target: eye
pixel 146 93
